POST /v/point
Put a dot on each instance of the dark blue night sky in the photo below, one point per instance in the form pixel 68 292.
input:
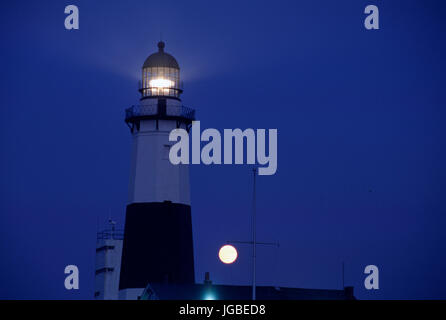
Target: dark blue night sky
pixel 361 138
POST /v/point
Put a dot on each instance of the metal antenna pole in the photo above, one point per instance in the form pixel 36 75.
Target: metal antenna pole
pixel 254 238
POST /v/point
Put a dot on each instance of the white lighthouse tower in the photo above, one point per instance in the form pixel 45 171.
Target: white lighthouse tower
pixel 157 244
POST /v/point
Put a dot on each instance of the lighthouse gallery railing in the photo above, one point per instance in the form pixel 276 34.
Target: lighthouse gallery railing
pixel 152 110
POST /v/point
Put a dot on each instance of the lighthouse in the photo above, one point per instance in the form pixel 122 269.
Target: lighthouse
pixel 158 246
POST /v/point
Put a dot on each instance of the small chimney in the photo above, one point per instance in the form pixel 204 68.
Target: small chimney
pixel 207 278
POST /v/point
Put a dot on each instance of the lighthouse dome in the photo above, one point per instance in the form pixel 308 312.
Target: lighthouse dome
pixel 161 59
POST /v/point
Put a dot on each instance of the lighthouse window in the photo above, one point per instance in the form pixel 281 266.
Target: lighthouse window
pixel 104 248
pixel 166 151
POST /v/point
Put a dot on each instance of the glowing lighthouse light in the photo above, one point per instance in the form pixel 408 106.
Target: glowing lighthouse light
pixel 227 254
pixel 160 83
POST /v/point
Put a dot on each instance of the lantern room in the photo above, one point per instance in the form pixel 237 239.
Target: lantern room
pixel 160 75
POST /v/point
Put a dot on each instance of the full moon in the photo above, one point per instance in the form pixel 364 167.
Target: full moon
pixel 227 254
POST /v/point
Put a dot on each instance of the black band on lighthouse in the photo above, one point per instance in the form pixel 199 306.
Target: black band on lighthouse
pixel 158 245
